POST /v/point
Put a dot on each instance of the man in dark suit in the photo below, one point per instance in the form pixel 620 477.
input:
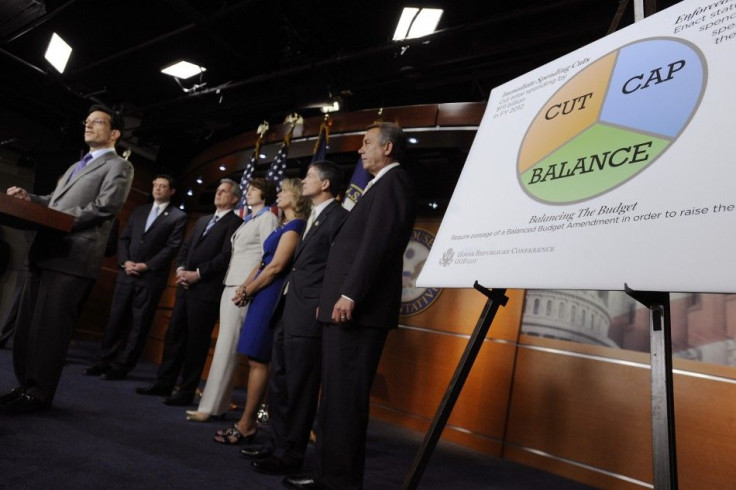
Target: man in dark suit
pixel 63 268
pixel 203 261
pixel 146 247
pixel 359 304
pixel 297 349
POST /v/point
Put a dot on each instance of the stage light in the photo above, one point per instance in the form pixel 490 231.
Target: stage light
pixel 183 70
pixel 58 52
pixel 331 108
pixel 417 22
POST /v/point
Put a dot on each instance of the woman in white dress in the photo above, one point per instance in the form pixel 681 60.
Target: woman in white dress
pixel 246 255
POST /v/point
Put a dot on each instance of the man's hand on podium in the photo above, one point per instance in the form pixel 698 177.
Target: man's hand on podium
pixel 19 193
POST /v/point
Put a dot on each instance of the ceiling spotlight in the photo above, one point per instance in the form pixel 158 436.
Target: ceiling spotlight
pixel 223 167
pixel 58 52
pixel 417 22
pixel 181 206
pixel 413 141
pixel 199 180
pixel 331 108
pixel 190 192
pixel 183 70
pixel 262 156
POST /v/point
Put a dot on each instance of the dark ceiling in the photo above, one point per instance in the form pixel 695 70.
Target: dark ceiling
pixel 264 60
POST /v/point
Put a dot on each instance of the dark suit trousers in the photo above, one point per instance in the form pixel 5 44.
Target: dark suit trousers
pixel 293 390
pixel 187 342
pixel 131 314
pixel 350 356
pixel 49 309
pixel 8 322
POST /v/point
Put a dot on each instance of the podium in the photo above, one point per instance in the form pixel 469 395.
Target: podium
pixel 27 215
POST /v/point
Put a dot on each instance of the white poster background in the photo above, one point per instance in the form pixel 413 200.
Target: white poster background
pixel 659 253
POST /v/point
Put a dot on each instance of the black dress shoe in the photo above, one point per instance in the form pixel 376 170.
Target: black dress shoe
pixel 96 370
pixel 114 375
pixel 180 399
pixel 274 466
pixel 154 389
pixel 256 452
pixel 303 481
pixel 25 403
pixel 12 395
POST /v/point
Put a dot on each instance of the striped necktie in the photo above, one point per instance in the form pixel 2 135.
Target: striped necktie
pixel 210 225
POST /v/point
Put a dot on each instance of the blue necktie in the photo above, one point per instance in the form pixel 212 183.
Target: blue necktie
pixel 80 165
pixel 210 225
pixel 151 217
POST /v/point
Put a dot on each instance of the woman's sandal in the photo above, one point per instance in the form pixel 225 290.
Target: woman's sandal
pixel 232 435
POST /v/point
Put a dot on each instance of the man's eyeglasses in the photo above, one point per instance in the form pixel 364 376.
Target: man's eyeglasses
pixel 94 122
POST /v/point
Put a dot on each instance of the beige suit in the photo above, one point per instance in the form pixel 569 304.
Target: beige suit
pixel 247 251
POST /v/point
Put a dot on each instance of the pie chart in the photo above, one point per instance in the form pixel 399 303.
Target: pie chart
pixel 612 120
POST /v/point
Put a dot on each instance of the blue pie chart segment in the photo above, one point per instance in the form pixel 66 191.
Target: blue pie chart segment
pixel 655 87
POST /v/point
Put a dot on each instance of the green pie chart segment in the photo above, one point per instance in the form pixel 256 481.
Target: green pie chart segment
pixel 574 173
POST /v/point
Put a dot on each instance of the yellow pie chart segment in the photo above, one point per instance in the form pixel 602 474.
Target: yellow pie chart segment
pixel 575 107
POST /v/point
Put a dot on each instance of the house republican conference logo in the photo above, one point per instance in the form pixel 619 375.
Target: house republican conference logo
pixel 415 299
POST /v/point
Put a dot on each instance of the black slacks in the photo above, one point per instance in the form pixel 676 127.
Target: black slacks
pixel 293 390
pixel 131 314
pixel 350 356
pixel 187 342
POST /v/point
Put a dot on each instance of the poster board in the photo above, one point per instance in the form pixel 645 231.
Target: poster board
pixel 613 164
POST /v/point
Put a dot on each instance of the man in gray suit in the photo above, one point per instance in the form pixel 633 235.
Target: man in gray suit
pixel 63 267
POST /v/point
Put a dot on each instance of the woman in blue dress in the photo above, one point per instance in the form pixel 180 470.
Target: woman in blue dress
pixel 262 290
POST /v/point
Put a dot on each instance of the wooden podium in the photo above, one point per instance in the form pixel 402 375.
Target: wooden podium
pixel 28 215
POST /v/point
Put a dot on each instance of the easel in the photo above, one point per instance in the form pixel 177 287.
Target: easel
pixel 663 413
pixel 664 457
pixel 496 299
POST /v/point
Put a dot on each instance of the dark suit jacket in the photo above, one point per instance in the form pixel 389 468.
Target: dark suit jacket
pixel 307 273
pixel 210 254
pixel 94 197
pixel 156 247
pixel 366 258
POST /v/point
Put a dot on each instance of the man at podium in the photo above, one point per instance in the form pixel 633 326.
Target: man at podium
pixel 63 268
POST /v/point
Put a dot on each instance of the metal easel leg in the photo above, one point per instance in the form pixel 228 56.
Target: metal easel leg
pixel 664 457
pixel 496 299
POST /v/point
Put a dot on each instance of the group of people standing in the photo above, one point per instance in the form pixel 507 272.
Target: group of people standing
pixel 307 299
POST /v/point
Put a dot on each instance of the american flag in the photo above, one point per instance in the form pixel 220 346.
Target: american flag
pixel 242 208
pixel 277 170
